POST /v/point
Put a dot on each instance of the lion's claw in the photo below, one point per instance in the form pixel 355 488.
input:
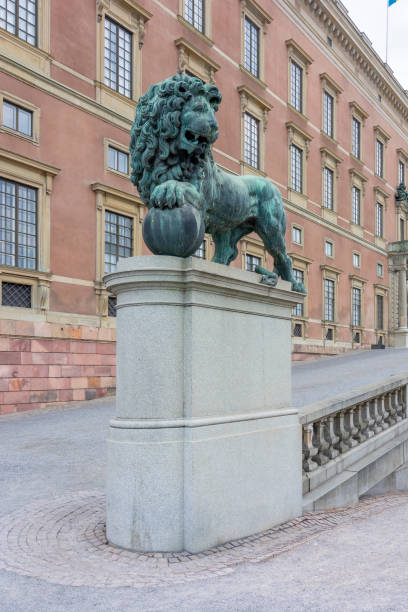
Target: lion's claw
pixel 172 194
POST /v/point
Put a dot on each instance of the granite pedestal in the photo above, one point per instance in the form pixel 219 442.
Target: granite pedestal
pixel 205 446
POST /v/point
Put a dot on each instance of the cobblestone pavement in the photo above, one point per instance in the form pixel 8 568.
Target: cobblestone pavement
pixel 63 541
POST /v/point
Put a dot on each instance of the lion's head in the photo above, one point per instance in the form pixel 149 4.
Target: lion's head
pixel 174 127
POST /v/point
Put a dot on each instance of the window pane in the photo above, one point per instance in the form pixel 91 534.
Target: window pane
pixel 379 158
pixel 328 299
pixel 355 211
pixel 251 48
pixel 18 225
pixel 380 312
pixel 112 158
pixel 251 140
pixel 9 115
pixel 118 239
pixel 252 262
pixel 297 168
pixel 328 114
pixel 328 188
pixel 25 122
pixel 356 138
pixel 201 251
pixel 356 314
pixel 118 58
pixel 123 162
pixel 299 277
pixel 401 172
pixel 296 86
pixel 194 13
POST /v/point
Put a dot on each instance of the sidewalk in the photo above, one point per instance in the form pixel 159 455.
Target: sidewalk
pixel 52 468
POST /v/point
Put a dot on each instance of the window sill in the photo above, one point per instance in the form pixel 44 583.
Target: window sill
pixel 118 173
pixel 6 130
pixel 298 113
pixel 24 53
pixel 329 215
pixel 251 169
pixel 257 80
pixel 356 159
pixel 297 197
pixel 329 138
pixel 358 230
pixel 188 25
pixel 381 178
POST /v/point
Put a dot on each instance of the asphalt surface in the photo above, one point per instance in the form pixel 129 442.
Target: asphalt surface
pixel 359 566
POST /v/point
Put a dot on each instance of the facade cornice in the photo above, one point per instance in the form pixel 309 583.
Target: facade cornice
pixel 333 17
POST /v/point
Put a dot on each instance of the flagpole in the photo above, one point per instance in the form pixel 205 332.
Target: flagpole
pixel 386 38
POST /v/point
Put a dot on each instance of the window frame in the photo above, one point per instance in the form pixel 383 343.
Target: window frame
pixel 358 181
pixel 300 139
pixel 24 105
pixel 380 136
pixel 357 113
pixel 253 247
pixel 356 258
pixel 301 263
pixel 328 241
pixel 380 263
pixel 108 142
pixel 191 59
pixel 127 66
pixel 402 158
pixel 355 218
pixel 296 227
pixel 330 273
pixel 205 35
pixel 332 89
pixel 258 108
pixel 249 122
pixel 380 197
pixel 252 11
pixel 332 162
pixel 297 55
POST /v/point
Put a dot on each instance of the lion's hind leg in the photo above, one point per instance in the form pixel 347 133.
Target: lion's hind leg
pixel 226 249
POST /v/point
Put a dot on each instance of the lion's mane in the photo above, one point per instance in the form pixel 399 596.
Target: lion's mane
pixel 153 143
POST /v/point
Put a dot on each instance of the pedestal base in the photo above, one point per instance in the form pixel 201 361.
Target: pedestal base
pixel 400 338
pixel 204 448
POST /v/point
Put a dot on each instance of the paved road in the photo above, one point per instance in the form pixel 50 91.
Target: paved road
pixel 359 566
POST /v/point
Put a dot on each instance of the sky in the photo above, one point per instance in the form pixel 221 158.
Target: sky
pixel 370 17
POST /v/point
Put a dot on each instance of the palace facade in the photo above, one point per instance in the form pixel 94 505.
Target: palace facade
pixel 307 102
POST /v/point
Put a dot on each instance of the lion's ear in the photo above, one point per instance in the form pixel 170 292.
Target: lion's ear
pixel 213 96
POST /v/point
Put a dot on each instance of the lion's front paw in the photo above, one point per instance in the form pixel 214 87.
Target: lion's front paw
pixel 299 287
pixel 173 194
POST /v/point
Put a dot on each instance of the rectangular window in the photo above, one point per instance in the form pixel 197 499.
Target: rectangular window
pixel 402 229
pixel 328 248
pixel 401 172
pixel 379 158
pixel 299 275
pixel 194 13
pixel 18 225
pixel 328 299
pixel 251 49
pixel 118 58
pixel 380 270
pixel 19 17
pixel 251 262
pixel 297 235
pixel 17 118
pixel 201 251
pixel 356 138
pixel 251 140
pixel 356 314
pixel 16 295
pixel 118 160
pixel 355 205
pixel 328 106
pixel 380 312
pixel 296 86
pixel 379 219
pixel 118 239
pixel 356 260
pixel 297 169
pixel 328 179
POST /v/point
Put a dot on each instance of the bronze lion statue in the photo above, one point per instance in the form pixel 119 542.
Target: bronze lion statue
pixel 172 165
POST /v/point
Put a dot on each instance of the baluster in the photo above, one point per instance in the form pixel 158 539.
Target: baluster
pixel 376 415
pixel 361 425
pixel 388 410
pixel 332 451
pixel 367 420
pixel 344 435
pixel 404 401
pixel 309 449
pixel 350 427
pixel 397 405
pixel 382 408
pixel 321 458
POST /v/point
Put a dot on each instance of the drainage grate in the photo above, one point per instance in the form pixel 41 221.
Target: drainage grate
pixel 13 294
pixel 111 306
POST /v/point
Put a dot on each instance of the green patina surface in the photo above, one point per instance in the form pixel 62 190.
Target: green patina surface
pixel 173 166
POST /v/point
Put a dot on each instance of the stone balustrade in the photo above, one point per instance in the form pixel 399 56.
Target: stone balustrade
pixel 332 428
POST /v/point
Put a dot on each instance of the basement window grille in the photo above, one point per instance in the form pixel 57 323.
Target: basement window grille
pixel 357 338
pixel 111 306
pixel 329 334
pixel 297 330
pixel 17 295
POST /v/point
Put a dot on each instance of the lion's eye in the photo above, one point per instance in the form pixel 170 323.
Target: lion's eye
pixel 189 135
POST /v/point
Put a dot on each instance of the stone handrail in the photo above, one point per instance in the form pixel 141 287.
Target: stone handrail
pixel 334 426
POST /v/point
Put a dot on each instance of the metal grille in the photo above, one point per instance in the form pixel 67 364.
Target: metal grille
pixel 379 220
pixel 298 330
pixel 401 172
pixel 18 225
pixel 118 58
pixel 111 306
pixel 356 338
pixel 328 299
pixel 17 118
pixel 297 168
pixel 201 251
pixel 329 334
pixel 328 188
pixel 355 205
pixel 251 262
pixel 13 294
pixel 19 17
pixel 296 98
pixel 299 275
pixel 379 157
pixel 328 114
pixel 251 140
pixel 251 47
pixel 118 239
pixel 380 312
pixel 356 307
pixel 118 160
pixel 194 13
pixel 356 135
